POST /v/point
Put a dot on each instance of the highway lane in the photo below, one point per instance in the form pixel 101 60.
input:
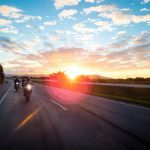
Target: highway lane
pixel 61 119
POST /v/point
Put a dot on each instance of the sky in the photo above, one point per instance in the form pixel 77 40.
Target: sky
pixel 106 37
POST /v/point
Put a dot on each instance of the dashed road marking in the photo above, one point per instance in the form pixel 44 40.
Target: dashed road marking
pixel 59 104
pixel 4 96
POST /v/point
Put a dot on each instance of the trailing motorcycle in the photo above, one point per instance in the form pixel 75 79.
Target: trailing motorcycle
pixel 27 91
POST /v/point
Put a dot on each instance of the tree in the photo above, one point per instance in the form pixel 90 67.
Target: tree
pixel 2 75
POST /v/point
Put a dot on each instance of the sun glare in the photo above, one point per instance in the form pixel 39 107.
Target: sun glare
pixel 72 72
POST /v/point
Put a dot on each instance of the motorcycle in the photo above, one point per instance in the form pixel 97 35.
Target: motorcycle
pixel 16 86
pixel 27 92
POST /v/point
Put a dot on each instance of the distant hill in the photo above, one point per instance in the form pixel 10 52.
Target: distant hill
pixel 95 76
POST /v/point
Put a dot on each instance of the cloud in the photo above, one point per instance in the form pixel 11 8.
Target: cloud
pixel 34 42
pixel 9 29
pixel 121 18
pixel 20 48
pixel 130 41
pixel 80 27
pixel 26 18
pixel 9 11
pixel 41 28
pixel 48 59
pixel 131 58
pixel 119 44
pixel 29 26
pixel 61 3
pixel 90 1
pixel 118 17
pixel 130 54
pixel 65 38
pixel 120 35
pixel 99 9
pixel 125 9
pixel 99 1
pixel 141 39
pixel 68 13
pixel 10 46
pixel 144 9
pixel 16 13
pixel 49 23
pixel 145 1
pixel 138 19
pixel 4 22
pixel 104 25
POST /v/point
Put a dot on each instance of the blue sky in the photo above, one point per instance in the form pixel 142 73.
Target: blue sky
pixel 107 37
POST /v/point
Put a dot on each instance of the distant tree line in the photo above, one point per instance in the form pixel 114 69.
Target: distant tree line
pixel 61 76
pixel 137 80
pixel 2 75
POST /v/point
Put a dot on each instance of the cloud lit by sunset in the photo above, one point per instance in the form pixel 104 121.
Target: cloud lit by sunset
pixel 109 38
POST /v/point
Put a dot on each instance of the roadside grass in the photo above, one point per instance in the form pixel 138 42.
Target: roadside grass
pixel 133 95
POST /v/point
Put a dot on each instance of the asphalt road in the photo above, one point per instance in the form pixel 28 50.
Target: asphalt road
pixel 65 120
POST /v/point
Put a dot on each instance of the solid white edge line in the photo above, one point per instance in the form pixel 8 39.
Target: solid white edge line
pixel 58 104
pixel 4 96
pixel 131 105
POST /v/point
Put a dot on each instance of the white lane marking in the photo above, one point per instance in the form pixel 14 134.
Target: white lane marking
pixel 58 104
pixel 131 105
pixel 4 96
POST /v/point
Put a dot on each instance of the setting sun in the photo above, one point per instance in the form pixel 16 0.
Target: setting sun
pixel 72 72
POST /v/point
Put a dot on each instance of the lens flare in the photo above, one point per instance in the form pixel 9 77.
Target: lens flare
pixel 68 92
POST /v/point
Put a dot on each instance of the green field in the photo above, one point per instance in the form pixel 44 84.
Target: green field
pixel 128 94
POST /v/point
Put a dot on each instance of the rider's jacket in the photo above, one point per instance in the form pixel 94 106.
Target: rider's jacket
pixel 16 80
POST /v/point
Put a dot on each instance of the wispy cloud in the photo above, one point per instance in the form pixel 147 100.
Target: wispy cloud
pixel 49 23
pixel 145 1
pixel 100 8
pixel 11 12
pixel 60 4
pixel 16 13
pixel 9 29
pixel 80 27
pixel 68 13
pixel 144 9
pixel 4 22
pixel 120 18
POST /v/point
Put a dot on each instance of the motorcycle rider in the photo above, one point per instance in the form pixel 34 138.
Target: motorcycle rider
pixel 15 81
pixel 23 81
pixel 26 82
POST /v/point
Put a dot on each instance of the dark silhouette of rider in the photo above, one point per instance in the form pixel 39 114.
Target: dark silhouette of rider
pixel 16 80
pixel 23 81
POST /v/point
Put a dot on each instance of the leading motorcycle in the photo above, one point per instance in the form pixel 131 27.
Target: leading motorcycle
pixel 27 92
